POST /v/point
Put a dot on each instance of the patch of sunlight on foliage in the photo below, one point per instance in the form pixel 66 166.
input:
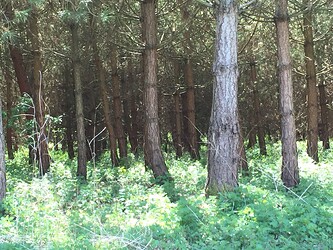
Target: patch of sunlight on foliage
pixel 124 208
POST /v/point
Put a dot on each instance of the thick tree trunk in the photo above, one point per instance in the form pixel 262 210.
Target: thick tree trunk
pixel 37 95
pixel 152 141
pixel 223 134
pixel 324 116
pixel 2 159
pixel 257 110
pixel 81 137
pixel 312 107
pixel 118 111
pixel 290 171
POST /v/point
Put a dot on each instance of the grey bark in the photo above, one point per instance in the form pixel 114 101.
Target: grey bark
pixel 223 135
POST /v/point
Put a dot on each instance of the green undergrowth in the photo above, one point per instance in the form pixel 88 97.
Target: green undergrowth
pixel 123 208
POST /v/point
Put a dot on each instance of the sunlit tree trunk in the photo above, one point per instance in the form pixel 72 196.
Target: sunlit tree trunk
pixel 81 137
pixel 290 171
pixel 152 141
pixel 324 116
pixel 312 93
pixel 223 134
pixel 2 158
pixel 37 94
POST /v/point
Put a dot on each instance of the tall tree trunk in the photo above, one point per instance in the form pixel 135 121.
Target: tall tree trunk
pixel 178 115
pixel 69 114
pixel 290 171
pixel 9 129
pixel 257 111
pixel 152 140
pixel 324 116
pixel 312 107
pixel 104 92
pixel 223 134
pixel 244 166
pixel 2 159
pixel 120 135
pixel 190 91
pixel 178 124
pixel 133 110
pixel 37 94
pixel 81 137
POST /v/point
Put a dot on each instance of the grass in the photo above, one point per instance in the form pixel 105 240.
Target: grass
pixel 121 208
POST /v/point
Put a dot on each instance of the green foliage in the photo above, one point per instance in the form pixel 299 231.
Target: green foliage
pixel 122 208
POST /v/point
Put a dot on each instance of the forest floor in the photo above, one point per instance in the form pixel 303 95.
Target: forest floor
pixel 121 208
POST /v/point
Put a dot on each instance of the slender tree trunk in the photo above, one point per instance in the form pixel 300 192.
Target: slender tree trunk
pixel 104 92
pixel 190 91
pixel 37 94
pixel 133 132
pixel 324 116
pixel 81 137
pixel 152 141
pixel 178 125
pixel 2 158
pixel 223 134
pixel 69 115
pixel 107 116
pixel 290 171
pixel 252 135
pixel 244 166
pixel 120 135
pixel 9 129
pixel 178 113
pixel 312 107
pixel 257 110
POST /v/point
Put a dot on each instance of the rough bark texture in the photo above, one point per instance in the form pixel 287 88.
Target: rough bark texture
pixel 312 92
pixel 257 110
pixel 118 111
pixel 290 171
pixel 324 117
pixel 2 159
pixel 81 137
pixel 37 95
pixel 152 141
pixel 223 134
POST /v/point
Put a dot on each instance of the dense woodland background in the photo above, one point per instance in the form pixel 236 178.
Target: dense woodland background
pixel 78 77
